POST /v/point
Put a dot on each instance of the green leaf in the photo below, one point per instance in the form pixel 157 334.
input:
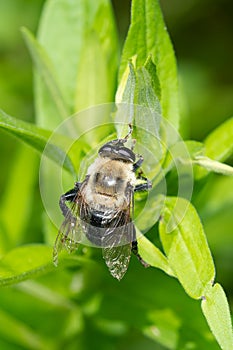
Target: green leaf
pixel 219 143
pixel 152 255
pixel 126 89
pixel 197 153
pixel 90 89
pixel 80 41
pixel 185 245
pixel 194 148
pixel 152 71
pixel 125 98
pixel 44 66
pixel 25 337
pixel 217 147
pixel 140 86
pixel 183 153
pixel 32 260
pixel 147 36
pixel 213 165
pixel 147 118
pixel 38 139
pixel 27 132
pixel 164 328
pixel 137 103
pixel 25 262
pixel 216 310
pixel 146 91
pixel 18 193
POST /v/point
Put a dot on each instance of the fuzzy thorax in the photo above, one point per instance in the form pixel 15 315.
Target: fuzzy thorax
pixel 108 183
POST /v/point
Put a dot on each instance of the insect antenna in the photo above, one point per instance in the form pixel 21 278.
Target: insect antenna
pixel 125 139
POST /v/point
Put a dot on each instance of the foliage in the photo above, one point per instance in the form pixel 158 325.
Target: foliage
pixel 75 56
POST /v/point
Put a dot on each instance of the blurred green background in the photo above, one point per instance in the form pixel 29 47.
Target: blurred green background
pixel 68 303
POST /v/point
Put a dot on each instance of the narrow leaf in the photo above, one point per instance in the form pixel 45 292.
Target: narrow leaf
pixel 146 93
pixel 197 156
pixel 90 89
pixel 38 139
pixel 217 147
pixel 32 260
pixel 152 71
pixel 20 334
pixel 46 70
pixel 216 310
pixel 147 118
pixel 18 193
pixel 147 36
pixel 185 245
pixel 164 328
pixel 126 88
pixel 25 262
pixel 213 165
pixel 195 148
pixel 125 98
pixel 152 255
pixel 85 56
pixel 219 143
pixel 138 103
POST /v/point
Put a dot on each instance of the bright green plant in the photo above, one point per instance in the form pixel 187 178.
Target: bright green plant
pixel 75 58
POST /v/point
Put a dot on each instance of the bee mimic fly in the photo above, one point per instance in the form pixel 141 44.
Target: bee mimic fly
pixel 101 207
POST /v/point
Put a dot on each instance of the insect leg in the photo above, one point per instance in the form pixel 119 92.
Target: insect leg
pixel 138 163
pixel 135 251
pixel 68 197
pixel 144 186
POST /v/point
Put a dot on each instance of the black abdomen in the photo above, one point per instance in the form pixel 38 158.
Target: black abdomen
pixel 108 228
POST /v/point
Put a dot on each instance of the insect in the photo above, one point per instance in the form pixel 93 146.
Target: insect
pixel 101 207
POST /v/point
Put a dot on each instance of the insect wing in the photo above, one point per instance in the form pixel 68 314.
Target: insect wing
pixel 117 243
pixel 117 259
pixel 117 248
pixel 70 233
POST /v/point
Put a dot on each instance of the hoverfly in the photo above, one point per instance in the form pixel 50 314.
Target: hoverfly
pixel 101 207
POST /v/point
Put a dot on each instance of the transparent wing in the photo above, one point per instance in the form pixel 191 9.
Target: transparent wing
pixel 117 259
pixel 70 233
pixel 117 242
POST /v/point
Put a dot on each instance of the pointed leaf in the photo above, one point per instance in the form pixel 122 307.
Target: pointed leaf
pixel 125 98
pixel 217 147
pixel 146 92
pixel 147 36
pixel 213 165
pixel 46 70
pixel 147 118
pixel 17 332
pixel 74 35
pixel 219 143
pixel 32 260
pixel 24 262
pixel 38 138
pixel 185 245
pixel 90 89
pixel 216 310
pixel 152 255
pixel 197 153
pixel 164 328
pixel 18 193
pixel 138 103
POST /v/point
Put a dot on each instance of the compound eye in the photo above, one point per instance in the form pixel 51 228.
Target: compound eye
pixel 106 150
pixel 116 150
pixel 126 154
